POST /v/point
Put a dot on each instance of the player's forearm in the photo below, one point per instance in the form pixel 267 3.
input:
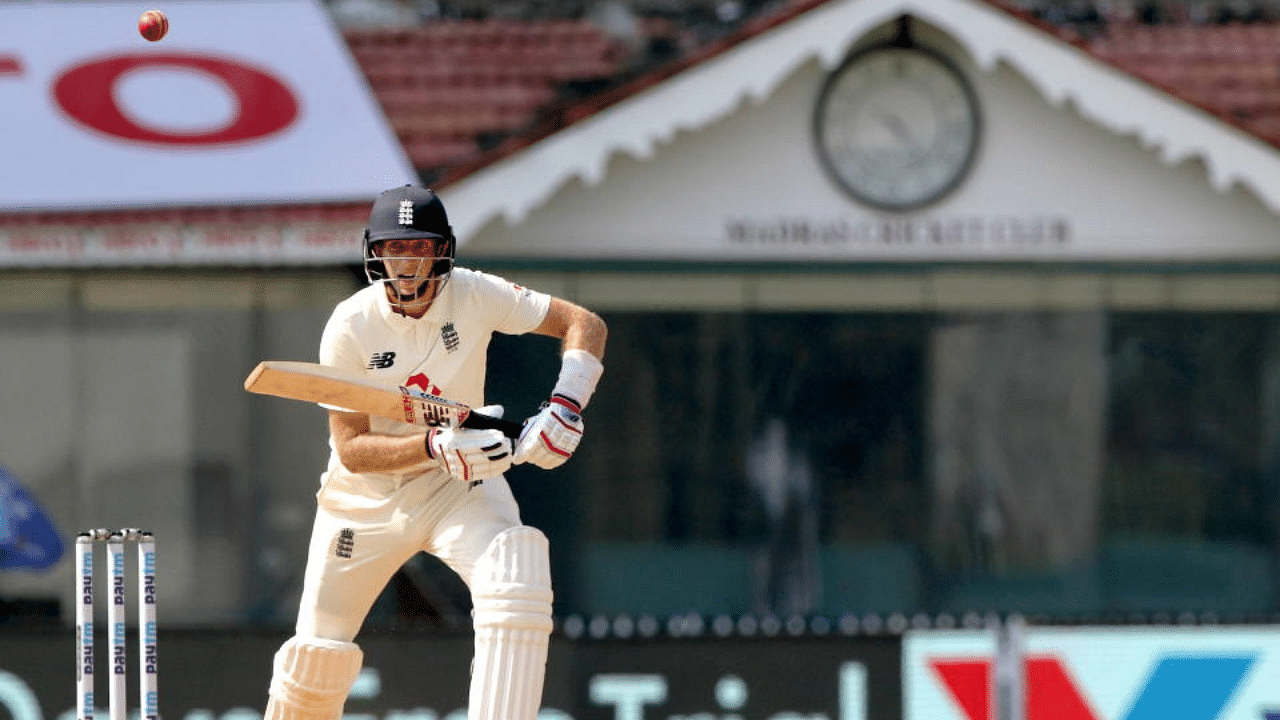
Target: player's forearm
pixel 587 332
pixel 372 452
pixel 577 327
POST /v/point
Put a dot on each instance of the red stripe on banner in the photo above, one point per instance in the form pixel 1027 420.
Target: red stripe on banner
pixel 1052 693
pixel 970 684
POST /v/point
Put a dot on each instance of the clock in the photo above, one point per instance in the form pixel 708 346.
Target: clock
pixel 897 127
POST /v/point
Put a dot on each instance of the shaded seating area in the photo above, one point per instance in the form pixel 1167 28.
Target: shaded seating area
pixel 452 89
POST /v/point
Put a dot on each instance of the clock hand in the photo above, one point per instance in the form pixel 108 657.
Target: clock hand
pixel 897 127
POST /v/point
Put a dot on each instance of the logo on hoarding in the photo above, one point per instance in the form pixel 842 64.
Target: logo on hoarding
pixel 28 538
pixel 1180 687
pixel 264 104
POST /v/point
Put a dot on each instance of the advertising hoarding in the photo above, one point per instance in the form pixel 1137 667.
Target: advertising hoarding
pixel 1100 673
pixel 256 101
pixel 223 675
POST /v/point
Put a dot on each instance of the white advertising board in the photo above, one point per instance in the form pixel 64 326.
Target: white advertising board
pixel 1173 673
pixel 245 101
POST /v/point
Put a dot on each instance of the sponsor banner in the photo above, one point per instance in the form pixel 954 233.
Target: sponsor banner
pixel 245 102
pixel 1193 673
pixel 410 675
pixel 167 245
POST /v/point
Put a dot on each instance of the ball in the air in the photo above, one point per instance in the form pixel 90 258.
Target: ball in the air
pixel 153 25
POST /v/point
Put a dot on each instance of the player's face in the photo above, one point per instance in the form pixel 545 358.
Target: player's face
pixel 414 267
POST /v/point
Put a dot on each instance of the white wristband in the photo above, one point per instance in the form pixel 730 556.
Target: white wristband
pixel 579 373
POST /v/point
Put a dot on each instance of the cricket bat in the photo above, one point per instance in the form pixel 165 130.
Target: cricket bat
pixel 312 382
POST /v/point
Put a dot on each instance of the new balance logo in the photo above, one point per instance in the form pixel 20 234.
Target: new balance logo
pixel 450 337
pixel 382 360
pixel 406 212
pixel 346 543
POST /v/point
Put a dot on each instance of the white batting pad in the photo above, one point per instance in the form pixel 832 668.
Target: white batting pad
pixel 511 592
pixel 312 678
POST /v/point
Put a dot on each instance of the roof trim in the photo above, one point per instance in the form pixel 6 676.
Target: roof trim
pixel 750 68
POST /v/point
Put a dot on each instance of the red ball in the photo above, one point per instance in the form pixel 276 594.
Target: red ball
pixel 153 25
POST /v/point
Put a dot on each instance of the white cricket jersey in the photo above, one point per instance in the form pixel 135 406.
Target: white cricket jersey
pixel 444 352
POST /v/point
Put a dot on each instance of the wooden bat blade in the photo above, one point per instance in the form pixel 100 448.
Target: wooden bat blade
pixel 312 382
pixel 320 384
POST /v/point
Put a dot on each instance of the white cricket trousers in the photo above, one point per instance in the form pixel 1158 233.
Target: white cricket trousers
pixel 355 551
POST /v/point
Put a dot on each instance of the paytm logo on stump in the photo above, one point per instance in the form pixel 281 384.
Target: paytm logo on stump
pixel 1100 674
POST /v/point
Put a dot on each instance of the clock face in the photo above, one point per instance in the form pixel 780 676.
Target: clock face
pixel 897 127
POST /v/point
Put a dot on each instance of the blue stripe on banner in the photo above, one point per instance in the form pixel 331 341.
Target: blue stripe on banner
pixel 1190 688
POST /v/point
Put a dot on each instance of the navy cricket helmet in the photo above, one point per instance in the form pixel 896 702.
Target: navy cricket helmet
pixel 405 212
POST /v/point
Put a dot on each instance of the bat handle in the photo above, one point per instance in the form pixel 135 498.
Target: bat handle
pixel 476 421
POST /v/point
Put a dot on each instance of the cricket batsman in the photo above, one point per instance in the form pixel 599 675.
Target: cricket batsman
pixel 392 490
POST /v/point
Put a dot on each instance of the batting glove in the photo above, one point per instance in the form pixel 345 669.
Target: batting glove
pixel 471 456
pixel 550 437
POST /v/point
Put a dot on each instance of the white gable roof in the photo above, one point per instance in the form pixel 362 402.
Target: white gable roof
pixel 516 185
